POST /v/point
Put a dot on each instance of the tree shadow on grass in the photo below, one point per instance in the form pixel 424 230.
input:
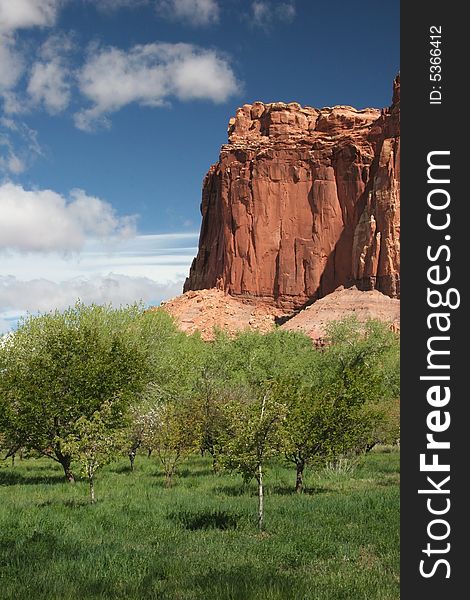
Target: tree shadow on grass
pixel 289 490
pixel 235 491
pixel 69 503
pixel 120 469
pixel 32 464
pixel 187 472
pixel 388 482
pixel 15 478
pixel 77 502
pixel 206 520
pixel 245 582
pixel 28 544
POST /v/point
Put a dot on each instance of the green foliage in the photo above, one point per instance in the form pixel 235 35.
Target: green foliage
pixel 172 431
pixel 64 366
pixel 87 383
pixel 252 433
pixel 242 400
pixel 361 374
pixel 244 428
pixel 363 358
pixel 253 358
pixel 345 404
pixel 95 441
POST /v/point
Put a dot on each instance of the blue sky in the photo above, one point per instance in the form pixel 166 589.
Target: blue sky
pixel 113 110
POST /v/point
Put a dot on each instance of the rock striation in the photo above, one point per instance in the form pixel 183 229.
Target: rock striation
pixel 301 201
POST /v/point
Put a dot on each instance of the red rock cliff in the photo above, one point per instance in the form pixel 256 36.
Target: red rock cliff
pixel 301 201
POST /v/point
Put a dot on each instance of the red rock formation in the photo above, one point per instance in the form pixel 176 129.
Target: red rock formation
pixel 345 303
pixel 302 201
pixel 204 310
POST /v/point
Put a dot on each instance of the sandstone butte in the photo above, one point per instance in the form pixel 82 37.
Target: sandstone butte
pixel 302 201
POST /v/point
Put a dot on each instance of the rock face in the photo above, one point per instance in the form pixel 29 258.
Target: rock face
pixel 302 200
pixel 345 303
pixel 205 310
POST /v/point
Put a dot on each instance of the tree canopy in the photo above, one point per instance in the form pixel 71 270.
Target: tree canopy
pixel 63 366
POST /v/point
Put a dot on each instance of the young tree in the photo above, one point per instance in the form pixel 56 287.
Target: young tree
pixel 173 416
pixel 136 431
pixel 303 427
pixel 362 363
pixel 62 366
pixel 252 365
pixel 143 423
pixel 95 441
pixel 348 398
pixel 209 396
pixel 251 438
pixel 322 424
pixel 172 432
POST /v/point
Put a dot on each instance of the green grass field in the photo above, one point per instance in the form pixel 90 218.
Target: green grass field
pixel 198 540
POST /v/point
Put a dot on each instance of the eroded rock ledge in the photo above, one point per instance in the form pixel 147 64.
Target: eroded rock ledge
pixel 301 201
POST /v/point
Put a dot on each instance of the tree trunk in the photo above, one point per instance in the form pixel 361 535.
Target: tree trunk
pixel 91 481
pixel 69 476
pixel 260 473
pixel 149 453
pixel 92 488
pixel 260 499
pixel 299 480
pixel 12 460
pixel 66 461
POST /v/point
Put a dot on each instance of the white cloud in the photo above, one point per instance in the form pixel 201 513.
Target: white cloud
pixel 14 15
pixel 18 146
pixel 45 221
pixel 261 12
pixel 42 295
pixel 285 11
pixel 264 14
pixel 147 267
pixel 20 14
pixel 193 12
pixel 151 75
pixel 11 162
pixel 11 63
pixel 159 257
pixel 49 82
pixel 13 103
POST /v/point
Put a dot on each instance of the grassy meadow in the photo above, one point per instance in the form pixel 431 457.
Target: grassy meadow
pixel 199 540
